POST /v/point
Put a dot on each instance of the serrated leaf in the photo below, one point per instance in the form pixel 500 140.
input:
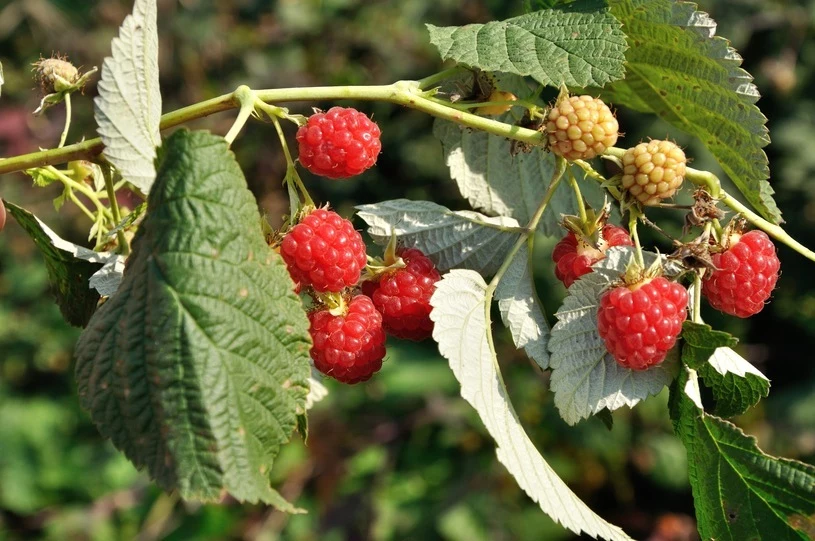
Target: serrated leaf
pixel 128 108
pixel 521 309
pixel 42 176
pixel 197 367
pixel 739 492
pixel 580 44
pixel 69 267
pixel 680 70
pixel 461 239
pixel 462 329
pixel 497 183
pixel 585 377
pixel 736 384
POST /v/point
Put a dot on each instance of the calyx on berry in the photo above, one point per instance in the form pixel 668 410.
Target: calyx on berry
pixel 585 244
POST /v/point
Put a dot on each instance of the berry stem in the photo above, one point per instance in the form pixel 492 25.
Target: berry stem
pixel 124 247
pixel 433 80
pixel 696 310
pixel 246 98
pixel 84 190
pixel 581 206
pixel 633 218
pixel 64 136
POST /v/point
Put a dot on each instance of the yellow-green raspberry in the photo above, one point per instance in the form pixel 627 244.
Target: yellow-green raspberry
pixel 581 127
pixel 653 171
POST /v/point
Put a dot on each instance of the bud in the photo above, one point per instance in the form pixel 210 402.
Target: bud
pixel 55 74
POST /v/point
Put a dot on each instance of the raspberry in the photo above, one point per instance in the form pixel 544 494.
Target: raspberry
pixel 640 323
pixel 340 143
pixel 55 74
pixel 746 275
pixel 581 127
pixel 653 171
pixel 349 347
pixel 324 251
pixel 573 259
pixel 403 296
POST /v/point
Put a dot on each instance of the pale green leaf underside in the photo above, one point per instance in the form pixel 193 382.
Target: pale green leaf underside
pixel 462 331
pixel 679 69
pixel 128 108
pixel 498 183
pixel 554 47
pixel 452 239
pixel 197 367
pixel 521 309
pixel 740 492
pixel 585 377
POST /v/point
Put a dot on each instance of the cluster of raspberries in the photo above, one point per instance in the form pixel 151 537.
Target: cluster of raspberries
pixel 326 255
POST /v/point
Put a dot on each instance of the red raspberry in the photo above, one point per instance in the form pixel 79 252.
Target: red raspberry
pixel 324 251
pixel 640 323
pixel 340 143
pixel 349 347
pixel 746 275
pixel 573 259
pixel 403 296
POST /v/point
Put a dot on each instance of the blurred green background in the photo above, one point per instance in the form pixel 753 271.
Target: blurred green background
pixel 401 457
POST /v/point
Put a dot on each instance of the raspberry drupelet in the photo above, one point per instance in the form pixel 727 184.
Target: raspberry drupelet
pixel 573 258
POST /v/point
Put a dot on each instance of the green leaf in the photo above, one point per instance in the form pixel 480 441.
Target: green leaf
pixel 498 183
pixel 462 329
pixel 736 384
pixel 585 377
pixel 70 267
pixel 198 366
pixel 679 69
pixel 42 176
pixel 580 44
pixel 740 493
pixel 128 108
pixel 521 309
pixel 461 239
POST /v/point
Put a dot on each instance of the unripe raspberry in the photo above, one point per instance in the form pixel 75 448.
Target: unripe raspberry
pixel 653 171
pixel 581 127
pixel 403 296
pixel 640 323
pixel 573 258
pixel 55 74
pixel 497 95
pixel 339 143
pixel 745 275
pixel 348 347
pixel 324 251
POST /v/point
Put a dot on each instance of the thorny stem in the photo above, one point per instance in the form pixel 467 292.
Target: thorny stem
pixel 124 247
pixel 581 206
pixel 64 136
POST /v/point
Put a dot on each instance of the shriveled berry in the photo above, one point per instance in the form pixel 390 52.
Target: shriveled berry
pixel 339 143
pixel 745 275
pixel 324 251
pixel 55 74
pixel 403 296
pixel 581 127
pixel 350 347
pixel 573 258
pixel 640 323
pixel 653 171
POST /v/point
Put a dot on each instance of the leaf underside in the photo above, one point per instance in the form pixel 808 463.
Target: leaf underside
pixel 197 367
pixel 463 334
pixel 128 108
pixel 680 70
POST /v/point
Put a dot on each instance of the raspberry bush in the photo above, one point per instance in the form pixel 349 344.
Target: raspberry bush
pixel 194 289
